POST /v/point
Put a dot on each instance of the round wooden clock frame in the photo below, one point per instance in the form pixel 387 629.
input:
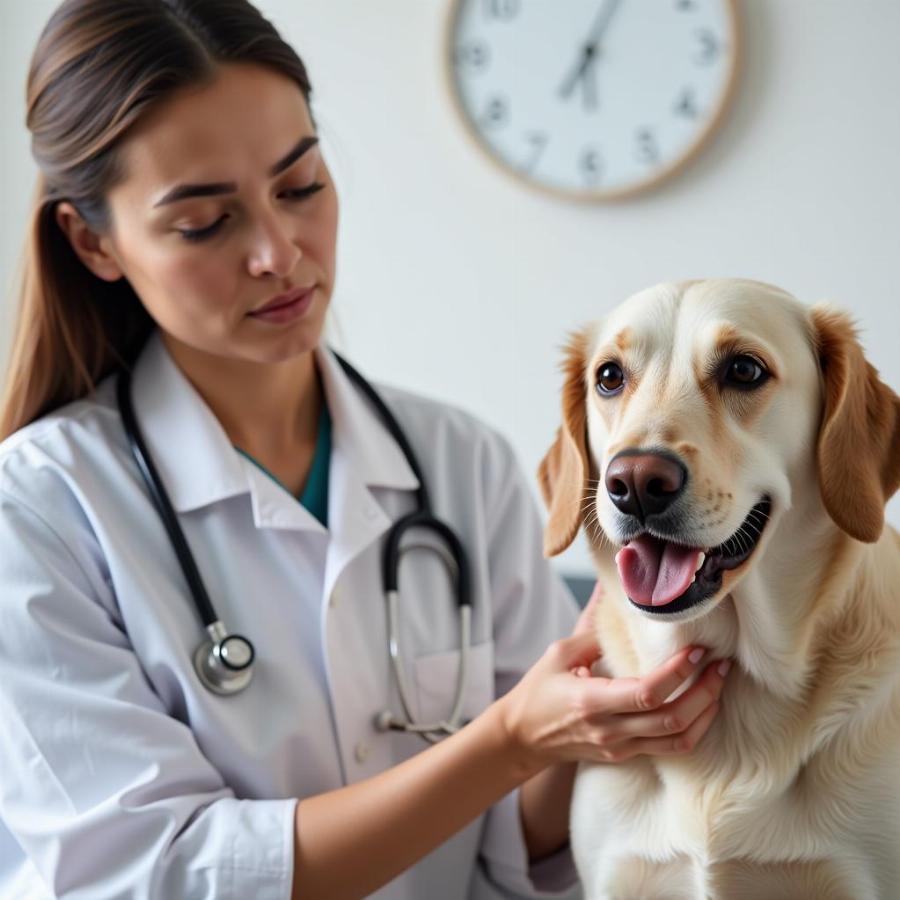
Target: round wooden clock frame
pixel 705 134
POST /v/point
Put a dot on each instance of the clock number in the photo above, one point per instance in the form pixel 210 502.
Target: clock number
pixel 709 48
pixel 538 141
pixel 686 104
pixel 496 113
pixel 501 10
pixel 474 56
pixel 647 150
pixel 685 5
pixel 590 164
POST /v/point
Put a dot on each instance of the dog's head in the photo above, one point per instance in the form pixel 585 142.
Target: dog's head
pixel 695 416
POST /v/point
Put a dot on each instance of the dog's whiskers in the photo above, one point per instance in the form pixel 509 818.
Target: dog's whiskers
pixel 756 529
pixel 593 527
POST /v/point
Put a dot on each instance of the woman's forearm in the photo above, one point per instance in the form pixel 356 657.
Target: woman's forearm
pixel 350 841
pixel 544 802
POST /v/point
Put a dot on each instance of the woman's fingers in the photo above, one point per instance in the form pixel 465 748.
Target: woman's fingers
pixel 559 711
pixel 675 717
pixel 572 652
pixel 650 691
pixel 673 745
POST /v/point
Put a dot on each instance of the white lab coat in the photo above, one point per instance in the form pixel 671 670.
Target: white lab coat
pixel 120 775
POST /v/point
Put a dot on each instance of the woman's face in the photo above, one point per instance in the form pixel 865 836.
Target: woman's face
pixel 203 263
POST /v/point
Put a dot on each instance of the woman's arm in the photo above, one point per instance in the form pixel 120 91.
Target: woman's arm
pixel 545 799
pixel 544 803
pixel 103 788
pixel 351 841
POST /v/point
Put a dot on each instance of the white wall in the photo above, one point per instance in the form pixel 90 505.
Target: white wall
pixel 462 284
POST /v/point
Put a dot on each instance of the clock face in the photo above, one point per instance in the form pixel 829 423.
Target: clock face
pixel 596 98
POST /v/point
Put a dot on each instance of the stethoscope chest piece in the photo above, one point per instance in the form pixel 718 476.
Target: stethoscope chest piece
pixel 224 663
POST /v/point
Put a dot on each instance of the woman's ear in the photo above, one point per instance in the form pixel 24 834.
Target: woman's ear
pixel 92 249
pixel 859 434
pixel 563 472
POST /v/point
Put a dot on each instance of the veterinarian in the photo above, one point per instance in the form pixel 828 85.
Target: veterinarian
pixel 183 234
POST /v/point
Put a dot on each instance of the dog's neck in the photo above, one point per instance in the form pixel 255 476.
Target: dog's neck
pixel 772 621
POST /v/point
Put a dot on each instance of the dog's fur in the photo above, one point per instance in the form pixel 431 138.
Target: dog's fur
pixel 794 792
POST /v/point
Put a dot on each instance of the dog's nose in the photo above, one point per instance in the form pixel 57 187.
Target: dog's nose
pixel 642 484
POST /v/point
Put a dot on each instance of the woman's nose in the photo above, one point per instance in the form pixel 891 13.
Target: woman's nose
pixel 274 248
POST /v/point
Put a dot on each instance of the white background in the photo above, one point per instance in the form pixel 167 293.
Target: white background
pixel 460 283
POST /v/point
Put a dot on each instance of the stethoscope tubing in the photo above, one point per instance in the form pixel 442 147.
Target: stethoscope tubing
pixel 161 501
pixel 211 658
pixel 392 552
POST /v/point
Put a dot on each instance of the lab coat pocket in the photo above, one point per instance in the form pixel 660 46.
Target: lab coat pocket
pixel 436 680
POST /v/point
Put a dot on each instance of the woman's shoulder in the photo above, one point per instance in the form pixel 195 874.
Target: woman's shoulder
pixel 441 422
pixel 456 446
pixel 60 442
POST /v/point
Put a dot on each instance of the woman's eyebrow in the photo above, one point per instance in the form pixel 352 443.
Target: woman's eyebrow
pixel 182 191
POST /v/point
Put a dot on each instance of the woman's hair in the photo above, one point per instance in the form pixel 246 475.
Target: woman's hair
pixel 98 68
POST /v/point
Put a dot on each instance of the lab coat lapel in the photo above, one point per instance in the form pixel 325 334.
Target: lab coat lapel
pixel 363 456
pixel 358 518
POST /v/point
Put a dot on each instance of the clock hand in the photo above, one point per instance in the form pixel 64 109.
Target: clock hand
pixel 582 65
pixel 604 17
pixel 589 54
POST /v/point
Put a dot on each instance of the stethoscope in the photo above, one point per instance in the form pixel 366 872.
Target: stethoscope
pixel 224 662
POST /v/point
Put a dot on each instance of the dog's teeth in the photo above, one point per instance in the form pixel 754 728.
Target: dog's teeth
pixel 700 562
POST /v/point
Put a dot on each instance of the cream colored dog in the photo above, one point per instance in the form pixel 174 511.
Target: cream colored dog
pixel 730 452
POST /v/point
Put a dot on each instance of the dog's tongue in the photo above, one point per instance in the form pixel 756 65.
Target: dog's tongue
pixel 655 572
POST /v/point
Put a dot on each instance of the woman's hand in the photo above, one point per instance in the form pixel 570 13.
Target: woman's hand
pixel 557 712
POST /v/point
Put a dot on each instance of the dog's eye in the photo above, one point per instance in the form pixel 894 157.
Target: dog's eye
pixel 610 379
pixel 745 372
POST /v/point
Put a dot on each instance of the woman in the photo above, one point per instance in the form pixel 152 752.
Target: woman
pixel 184 231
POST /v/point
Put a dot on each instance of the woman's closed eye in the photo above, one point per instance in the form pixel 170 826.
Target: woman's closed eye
pixel 199 234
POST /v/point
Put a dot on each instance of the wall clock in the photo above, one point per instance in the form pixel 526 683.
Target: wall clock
pixel 592 99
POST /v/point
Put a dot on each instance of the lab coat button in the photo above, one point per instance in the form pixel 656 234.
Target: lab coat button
pixel 362 751
pixel 333 599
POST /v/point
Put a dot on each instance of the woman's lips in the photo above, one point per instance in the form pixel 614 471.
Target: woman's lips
pixel 289 310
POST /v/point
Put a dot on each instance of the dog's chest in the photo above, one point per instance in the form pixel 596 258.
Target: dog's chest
pixel 655 811
pixel 645 831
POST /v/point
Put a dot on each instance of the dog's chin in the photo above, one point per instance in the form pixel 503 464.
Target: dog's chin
pixel 720 568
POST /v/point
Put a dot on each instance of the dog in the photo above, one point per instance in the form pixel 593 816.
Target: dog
pixel 729 452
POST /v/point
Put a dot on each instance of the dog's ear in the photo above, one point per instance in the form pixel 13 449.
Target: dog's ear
pixel 563 472
pixel 859 434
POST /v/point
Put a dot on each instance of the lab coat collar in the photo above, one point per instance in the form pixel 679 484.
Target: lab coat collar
pixel 199 465
pixel 191 450
pixel 359 432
